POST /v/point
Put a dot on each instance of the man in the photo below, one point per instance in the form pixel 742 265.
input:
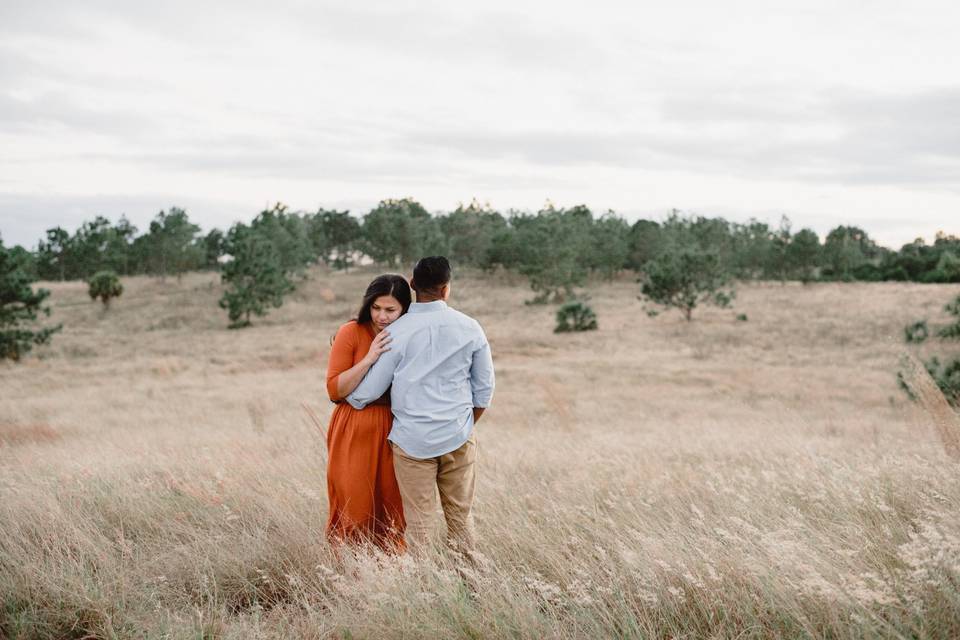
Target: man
pixel 441 371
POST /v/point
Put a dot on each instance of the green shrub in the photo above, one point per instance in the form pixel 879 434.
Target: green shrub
pixel 106 286
pixel 953 330
pixel 947 269
pixel 897 274
pixel 946 375
pixel 742 317
pixel 948 379
pixel 916 332
pixel 867 273
pixel 575 316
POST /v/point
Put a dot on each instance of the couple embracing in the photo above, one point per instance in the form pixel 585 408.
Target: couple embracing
pixel 408 398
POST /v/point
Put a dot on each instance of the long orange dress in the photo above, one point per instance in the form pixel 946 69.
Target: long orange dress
pixel 365 503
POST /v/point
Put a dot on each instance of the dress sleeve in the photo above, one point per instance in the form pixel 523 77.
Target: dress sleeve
pixel 377 380
pixel 341 357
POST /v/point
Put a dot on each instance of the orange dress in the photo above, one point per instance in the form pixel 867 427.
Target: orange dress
pixel 365 502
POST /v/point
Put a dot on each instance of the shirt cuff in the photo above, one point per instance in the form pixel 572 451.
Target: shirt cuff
pixel 481 402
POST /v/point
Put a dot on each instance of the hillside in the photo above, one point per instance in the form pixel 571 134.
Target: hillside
pixel 160 472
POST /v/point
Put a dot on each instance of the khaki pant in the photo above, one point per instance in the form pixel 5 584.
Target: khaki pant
pixel 452 476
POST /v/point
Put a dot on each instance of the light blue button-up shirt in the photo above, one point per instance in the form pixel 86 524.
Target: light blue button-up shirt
pixel 440 367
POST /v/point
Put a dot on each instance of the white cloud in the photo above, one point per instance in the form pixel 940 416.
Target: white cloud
pixel 830 112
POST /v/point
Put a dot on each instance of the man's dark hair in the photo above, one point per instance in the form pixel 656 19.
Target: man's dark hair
pixel 430 274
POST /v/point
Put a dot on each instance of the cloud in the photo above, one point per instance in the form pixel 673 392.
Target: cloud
pixel 519 100
pixel 55 110
pixel 838 137
pixel 24 218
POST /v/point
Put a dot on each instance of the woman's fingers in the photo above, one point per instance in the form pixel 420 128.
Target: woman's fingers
pixel 380 343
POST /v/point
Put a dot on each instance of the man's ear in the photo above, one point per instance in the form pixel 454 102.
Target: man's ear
pixel 445 291
pixel 413 285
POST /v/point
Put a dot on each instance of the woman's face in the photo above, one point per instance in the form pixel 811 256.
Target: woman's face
pixel 385 310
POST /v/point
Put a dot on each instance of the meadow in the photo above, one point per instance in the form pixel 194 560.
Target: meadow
pixel 164 477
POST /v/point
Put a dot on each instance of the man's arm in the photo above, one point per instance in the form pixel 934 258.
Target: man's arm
pixel 482 379
pixel 377 380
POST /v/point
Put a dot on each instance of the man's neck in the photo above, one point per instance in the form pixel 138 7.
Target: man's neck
pixel 426 299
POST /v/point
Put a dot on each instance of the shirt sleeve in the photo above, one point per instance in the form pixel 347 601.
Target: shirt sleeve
pixel 377 380
pixel 341 357
pixel 482 379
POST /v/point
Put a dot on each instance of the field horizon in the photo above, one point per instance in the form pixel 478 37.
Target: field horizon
pixel 163 476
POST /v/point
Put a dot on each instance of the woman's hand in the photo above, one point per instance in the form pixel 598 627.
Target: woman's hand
pixel 380 344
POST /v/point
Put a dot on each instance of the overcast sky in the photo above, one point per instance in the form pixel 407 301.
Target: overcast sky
pixel 830 112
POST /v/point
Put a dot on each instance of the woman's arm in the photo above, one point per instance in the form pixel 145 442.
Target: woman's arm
pixel 350 378
pixel 342 380
pixel 341 357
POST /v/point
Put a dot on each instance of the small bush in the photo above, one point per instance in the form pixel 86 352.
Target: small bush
pixel 575 316
pixel 105 285
pixel 741 317
pixel 917 332
pixel 948 379
pixel 953 330
pixel 945 374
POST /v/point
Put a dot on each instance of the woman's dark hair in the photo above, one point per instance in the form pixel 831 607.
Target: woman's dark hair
pixel 389 284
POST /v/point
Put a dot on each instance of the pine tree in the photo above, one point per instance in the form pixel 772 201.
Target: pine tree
pixel 399 232
pixel 19 307
pixel 803 254
pixel 685 277
pixel 53 254
pixel 690 269
pixel 255 276
pixel 551 250
pixel 170 245
pixel 471 231
pixel 338 238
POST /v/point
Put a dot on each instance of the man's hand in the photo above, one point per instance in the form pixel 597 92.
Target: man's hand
pixel 477 412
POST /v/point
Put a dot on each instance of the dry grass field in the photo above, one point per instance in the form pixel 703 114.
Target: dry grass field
pixel 161 476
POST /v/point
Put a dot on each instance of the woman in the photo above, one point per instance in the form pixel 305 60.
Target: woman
pixel 365 502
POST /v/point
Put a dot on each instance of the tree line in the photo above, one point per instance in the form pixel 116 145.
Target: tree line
pixel 681 261
pixel 556 248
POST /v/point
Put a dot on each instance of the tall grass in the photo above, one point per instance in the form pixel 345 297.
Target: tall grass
pixel 924 388
pixel 725 479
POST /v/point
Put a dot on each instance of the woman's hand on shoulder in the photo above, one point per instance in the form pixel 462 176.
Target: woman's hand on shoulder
pixel 380 344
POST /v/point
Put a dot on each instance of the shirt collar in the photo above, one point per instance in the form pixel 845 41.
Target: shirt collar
pixel 426 307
